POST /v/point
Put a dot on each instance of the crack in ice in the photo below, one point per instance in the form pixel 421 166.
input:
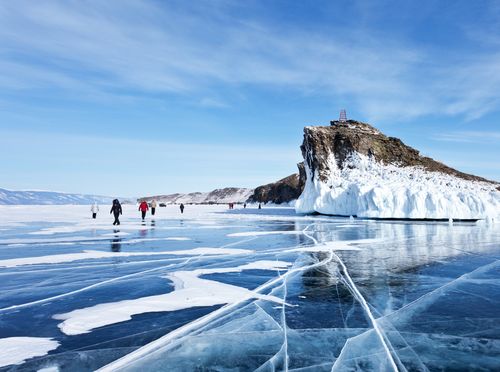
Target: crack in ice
pixel 176 334
pixel 357 294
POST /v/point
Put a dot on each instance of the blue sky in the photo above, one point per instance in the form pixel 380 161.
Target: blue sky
pixel 142 97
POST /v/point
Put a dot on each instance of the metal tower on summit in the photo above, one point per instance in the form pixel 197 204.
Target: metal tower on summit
pixel 343 116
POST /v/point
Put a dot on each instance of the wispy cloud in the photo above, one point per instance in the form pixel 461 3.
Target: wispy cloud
pixel 469 136
pixel 114 48
pixel 212 102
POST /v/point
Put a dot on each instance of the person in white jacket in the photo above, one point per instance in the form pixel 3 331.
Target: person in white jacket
pixel 94 209
pixel 153 207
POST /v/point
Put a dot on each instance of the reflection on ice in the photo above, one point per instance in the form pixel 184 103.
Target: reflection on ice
pixel 276 292
pixel 404 246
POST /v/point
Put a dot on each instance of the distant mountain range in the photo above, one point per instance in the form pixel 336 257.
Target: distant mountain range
pixel 217 196
pixel 32 197
pixel 9 197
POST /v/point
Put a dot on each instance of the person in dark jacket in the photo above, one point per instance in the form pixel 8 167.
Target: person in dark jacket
pixel 143 207
pixel 116 209
pixel 182 208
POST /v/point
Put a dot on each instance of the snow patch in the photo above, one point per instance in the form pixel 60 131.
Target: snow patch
pixel 90 254
pixel 49 369
pixel 16 350
pixel 190 291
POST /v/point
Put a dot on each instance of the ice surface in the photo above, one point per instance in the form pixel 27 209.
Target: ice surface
pixel 259 233
pixel 300 293
pixel 349 245
pixel 367 188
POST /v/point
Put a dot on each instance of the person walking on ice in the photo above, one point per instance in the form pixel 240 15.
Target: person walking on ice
pixel 182 208
pixel 153 207
pixel 143 207
pixel 116 209
pixel 94 209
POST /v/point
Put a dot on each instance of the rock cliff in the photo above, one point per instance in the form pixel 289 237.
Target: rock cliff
pixel 341 139
pixel 282 191
pixel 354 169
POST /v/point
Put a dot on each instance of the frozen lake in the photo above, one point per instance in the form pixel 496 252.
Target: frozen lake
pixel 244 290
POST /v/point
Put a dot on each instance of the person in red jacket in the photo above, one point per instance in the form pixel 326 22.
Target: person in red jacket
pixel 143 207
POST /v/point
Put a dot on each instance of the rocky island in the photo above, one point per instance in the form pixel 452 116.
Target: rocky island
pixel 352 169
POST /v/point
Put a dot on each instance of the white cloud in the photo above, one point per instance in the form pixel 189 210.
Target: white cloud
pixel 98 49
pixel 212 102
pixel 469 136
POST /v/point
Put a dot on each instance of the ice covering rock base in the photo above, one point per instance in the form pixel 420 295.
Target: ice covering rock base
pixel 364 187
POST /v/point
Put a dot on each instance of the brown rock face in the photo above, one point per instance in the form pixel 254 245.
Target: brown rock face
pixel 343 138
pixel 282 191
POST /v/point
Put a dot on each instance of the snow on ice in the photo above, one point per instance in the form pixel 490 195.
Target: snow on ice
pixel 189 291
pixel 15 350
pixel 88 254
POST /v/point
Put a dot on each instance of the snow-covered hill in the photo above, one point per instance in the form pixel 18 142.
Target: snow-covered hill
pixel 9 197
pixel 217 196
pixel 353 169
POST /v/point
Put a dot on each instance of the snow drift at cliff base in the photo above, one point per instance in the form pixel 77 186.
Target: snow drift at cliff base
pixel 367 188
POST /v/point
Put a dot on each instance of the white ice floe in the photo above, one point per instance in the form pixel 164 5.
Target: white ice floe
pixel 16 350
pixel 367 188
pixel 259 233
pixel 90 254
pixel 348 245
pixel 190 291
